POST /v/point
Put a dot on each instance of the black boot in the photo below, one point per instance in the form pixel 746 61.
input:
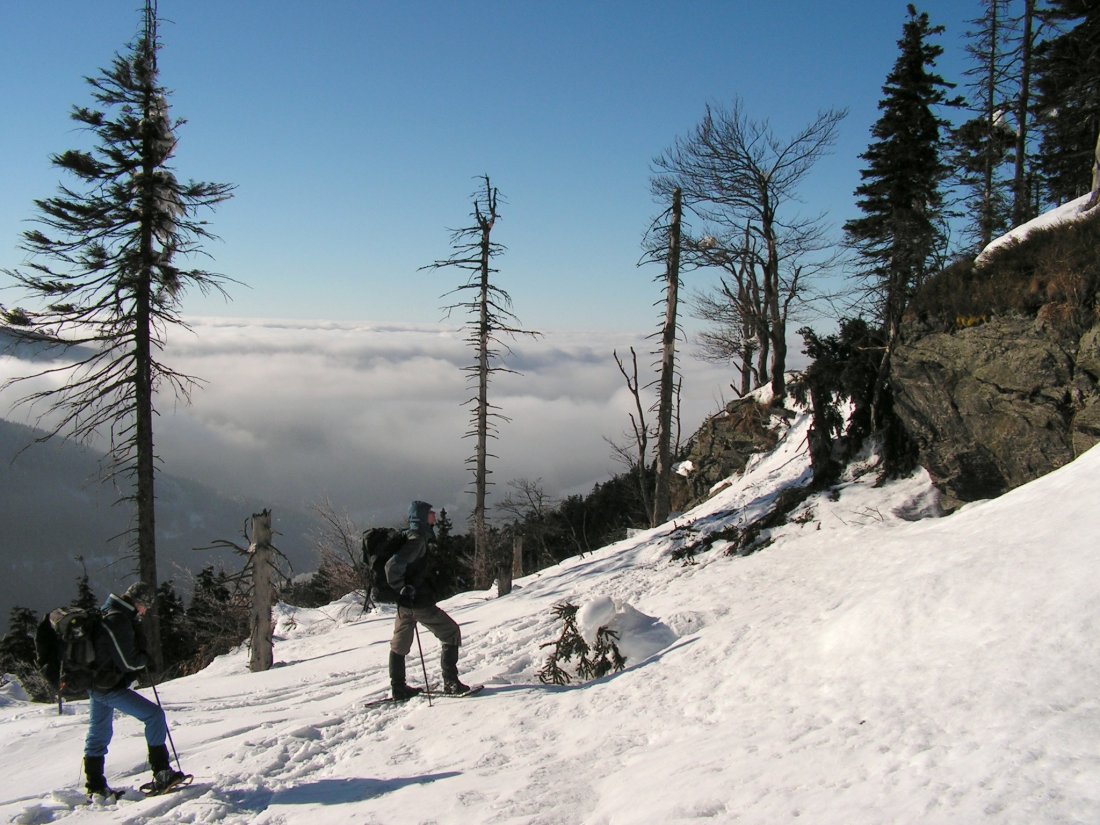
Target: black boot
pixel 398 688
pixel 448 663
pixel 164 776
pixel 95 783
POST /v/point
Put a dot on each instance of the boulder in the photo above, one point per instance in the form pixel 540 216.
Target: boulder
pixel 999 404
pixel 723 446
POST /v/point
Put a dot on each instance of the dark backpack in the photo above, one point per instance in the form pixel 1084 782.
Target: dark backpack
pixel 379 545
pixel 64 647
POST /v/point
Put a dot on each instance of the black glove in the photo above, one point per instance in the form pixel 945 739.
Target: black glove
pixel 406 596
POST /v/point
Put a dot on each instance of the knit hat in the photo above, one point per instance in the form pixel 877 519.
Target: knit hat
pixel 139 593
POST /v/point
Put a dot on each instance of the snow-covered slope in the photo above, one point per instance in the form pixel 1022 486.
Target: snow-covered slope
pixel 1074 210
pixel 864 668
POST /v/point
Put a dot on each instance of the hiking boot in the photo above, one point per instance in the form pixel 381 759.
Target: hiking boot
pixel 401 692
pixel 455 688
pixel 101 792
pixel 167 779
pixel 96 784
pixel 448 660
pixel 398 687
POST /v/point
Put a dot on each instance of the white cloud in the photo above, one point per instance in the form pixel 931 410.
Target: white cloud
pixel 373 416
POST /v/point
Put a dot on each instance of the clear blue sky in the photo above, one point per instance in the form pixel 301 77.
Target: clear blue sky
pixel 355 131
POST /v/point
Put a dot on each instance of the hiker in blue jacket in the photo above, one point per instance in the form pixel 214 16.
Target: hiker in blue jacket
pixel 121 655
pixel 406 574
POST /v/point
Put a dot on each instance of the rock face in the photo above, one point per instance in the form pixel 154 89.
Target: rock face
pixel 723 446
pixel 994 406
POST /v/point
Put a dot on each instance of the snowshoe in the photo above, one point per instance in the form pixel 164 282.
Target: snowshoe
pixel 165 781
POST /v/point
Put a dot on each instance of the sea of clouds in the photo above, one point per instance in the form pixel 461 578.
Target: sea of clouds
pixel 370 416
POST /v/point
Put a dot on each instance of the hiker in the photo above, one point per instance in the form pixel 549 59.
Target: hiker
pixel 405 573
pixel 120 650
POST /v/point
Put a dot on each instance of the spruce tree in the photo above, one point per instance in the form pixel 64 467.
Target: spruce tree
pixel 1068 101
pixel 899 238
pixel 105 278
pixel 983 145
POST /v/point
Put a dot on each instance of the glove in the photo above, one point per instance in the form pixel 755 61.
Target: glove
pixel 406 596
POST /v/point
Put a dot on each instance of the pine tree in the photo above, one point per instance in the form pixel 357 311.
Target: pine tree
pixel 982 146
pixel 105 278
pixel 1068 101
pixel 85 596
pixel 899 239
pixel 177 634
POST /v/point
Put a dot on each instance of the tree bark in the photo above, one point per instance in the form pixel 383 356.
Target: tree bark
pixel 1020 199
pixel 263 593
pixel 662 497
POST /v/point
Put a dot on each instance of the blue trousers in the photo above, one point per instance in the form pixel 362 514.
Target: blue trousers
pixel 101 716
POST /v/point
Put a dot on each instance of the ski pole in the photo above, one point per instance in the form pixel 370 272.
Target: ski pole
pixel 167 730
pixel 424 667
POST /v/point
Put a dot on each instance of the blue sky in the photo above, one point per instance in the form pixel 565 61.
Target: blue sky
pixel 356 131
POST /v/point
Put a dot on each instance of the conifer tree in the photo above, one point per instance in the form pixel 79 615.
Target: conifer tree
pixel 899 240
pixel 983 145
pixel 85 596
pixel 106 278
pixel 1068 100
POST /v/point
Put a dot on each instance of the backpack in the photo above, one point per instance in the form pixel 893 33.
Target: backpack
pixel 64 646
pixel 379 545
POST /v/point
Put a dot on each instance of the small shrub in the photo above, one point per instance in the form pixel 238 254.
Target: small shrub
pixel 592 662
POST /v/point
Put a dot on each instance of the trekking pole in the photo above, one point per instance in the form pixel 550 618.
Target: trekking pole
pixel 424 667
pixel 167 730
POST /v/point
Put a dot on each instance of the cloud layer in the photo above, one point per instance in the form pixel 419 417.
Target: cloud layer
pixel 370 416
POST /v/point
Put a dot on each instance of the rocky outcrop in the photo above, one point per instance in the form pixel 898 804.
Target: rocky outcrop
pixel 723 446
pixel 996 405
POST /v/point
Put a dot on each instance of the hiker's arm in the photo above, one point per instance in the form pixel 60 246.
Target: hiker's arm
pixel 399 563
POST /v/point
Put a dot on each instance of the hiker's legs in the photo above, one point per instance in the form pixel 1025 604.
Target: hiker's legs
pixel 404 626
pixel 441 625
pixel 133 704
pixel 449 634
pixel 101 718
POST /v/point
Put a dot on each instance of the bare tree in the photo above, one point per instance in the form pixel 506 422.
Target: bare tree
pixel 338 541
pixel 737 176
pixel 738 332
pixel 530 506
pixel 666 382
pixel 113 285
pixel 491 317
pixel 638 461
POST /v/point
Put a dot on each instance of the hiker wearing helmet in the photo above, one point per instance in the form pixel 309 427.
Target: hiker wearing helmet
pixel 120 647
pixel 405 573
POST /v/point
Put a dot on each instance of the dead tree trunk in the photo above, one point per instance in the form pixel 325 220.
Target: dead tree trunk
pixel 517 556
pixel 662 497
pixel 263 593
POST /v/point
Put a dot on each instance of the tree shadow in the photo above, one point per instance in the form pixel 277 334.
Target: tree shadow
pixel 324 791
pixel 340 791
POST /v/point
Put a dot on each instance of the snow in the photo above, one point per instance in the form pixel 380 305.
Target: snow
pixel 1074 210
pixel 869 666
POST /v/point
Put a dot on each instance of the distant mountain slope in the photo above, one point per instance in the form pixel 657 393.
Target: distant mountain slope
pixel 53 509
